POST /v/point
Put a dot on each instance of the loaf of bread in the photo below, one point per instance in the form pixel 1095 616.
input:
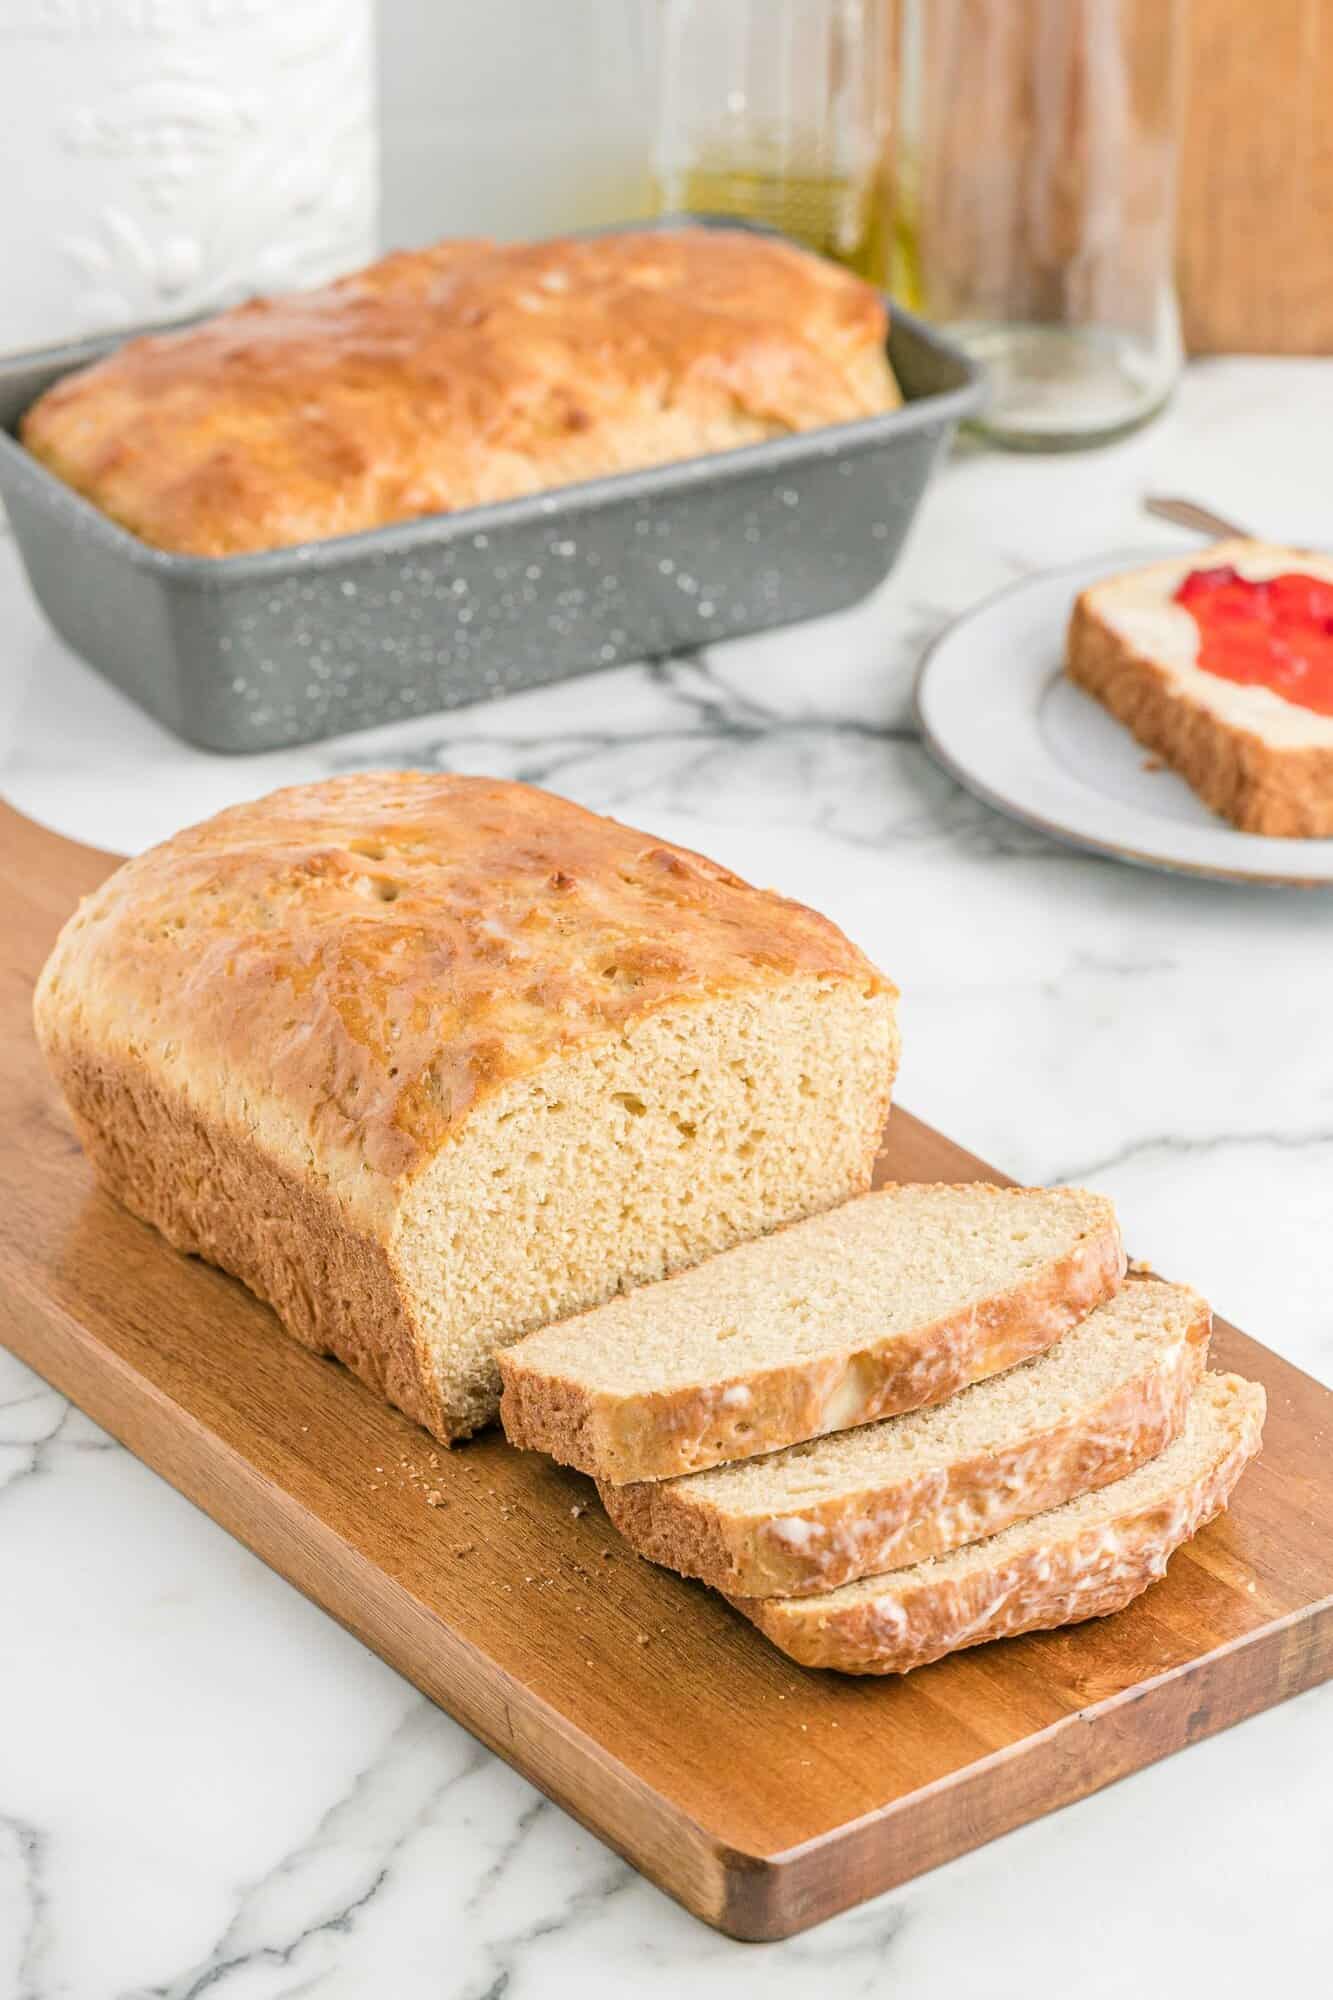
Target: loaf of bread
pixel 1261 758
pixel 895 1301
pixel 1094 1555
pixel 1109 1396
pixel 431 1061
pixel 468 372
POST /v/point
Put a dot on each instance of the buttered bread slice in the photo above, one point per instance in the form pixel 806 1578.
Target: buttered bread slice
pixel 1093 1555
pixel 1105 1399
pixel 894 1300
pixel 1222 664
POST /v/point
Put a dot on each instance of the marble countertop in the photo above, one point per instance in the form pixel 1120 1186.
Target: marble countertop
pixel 206 1786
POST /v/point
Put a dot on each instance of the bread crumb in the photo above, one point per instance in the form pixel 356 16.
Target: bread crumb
pixel 642 1638
pixel 576 1511
pixel 434 1498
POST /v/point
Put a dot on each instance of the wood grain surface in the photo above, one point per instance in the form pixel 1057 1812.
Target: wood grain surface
pixel 1256 193
pixel 764 1798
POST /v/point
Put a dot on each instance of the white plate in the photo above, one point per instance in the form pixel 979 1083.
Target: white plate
pixel 999 715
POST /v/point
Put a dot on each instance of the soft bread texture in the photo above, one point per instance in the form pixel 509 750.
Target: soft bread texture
pixel 1105 1399
pixel 1091 1556
pixel 461 374
pixel 431 1061
pixel 895 1301
pixel 1262 762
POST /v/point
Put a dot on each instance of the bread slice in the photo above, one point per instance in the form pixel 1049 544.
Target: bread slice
pixel 1109 1396
pixel 1263 762
pixel 1093 1555
pixel 429 1061
pixel 894 1300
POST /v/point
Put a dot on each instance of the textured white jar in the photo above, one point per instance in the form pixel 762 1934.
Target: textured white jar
pixel 160 157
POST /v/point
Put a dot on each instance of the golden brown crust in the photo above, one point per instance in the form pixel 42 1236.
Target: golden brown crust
pixel 891 1526
pixel 460 374
pixel 272 1027
pixel 650 1435
pixel 1060 1582
pixel 1260 787
pixel 358 964
pixel 203 1187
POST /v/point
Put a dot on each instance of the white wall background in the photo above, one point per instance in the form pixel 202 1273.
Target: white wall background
pixel 511 117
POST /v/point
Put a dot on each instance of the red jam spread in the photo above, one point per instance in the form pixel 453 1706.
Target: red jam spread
pixel 1277 633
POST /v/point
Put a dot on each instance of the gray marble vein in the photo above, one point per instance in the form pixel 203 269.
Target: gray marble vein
pixel 23 1906
pixel 1173 1146
pixel 285 1920
pixel 35 1424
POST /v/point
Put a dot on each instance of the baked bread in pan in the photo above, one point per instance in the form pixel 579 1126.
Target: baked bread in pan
pixel 461 374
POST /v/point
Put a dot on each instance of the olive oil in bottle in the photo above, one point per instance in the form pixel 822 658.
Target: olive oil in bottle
pixel 778 112
pixel 827 212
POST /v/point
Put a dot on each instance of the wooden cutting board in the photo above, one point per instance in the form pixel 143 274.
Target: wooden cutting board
pixel 763 1797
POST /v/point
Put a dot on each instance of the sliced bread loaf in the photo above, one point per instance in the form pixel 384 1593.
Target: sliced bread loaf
pixel 892 1301
pixel 1105 1399
pixel 1261 757
pixel 428 1061
pixel 1093 1555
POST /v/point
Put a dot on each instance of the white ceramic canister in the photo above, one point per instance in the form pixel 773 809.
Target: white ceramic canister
pixel 162 157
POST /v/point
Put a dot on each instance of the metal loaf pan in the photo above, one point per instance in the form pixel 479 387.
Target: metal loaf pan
pixel 246 653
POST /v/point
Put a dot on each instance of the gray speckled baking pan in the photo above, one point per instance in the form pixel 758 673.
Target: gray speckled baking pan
pixel 252 652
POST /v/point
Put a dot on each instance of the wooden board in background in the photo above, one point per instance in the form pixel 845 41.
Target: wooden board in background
pixel 1256 184
pixel 763 1797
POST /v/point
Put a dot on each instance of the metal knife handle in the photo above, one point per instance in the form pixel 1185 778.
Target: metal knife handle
pixel 1188 514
